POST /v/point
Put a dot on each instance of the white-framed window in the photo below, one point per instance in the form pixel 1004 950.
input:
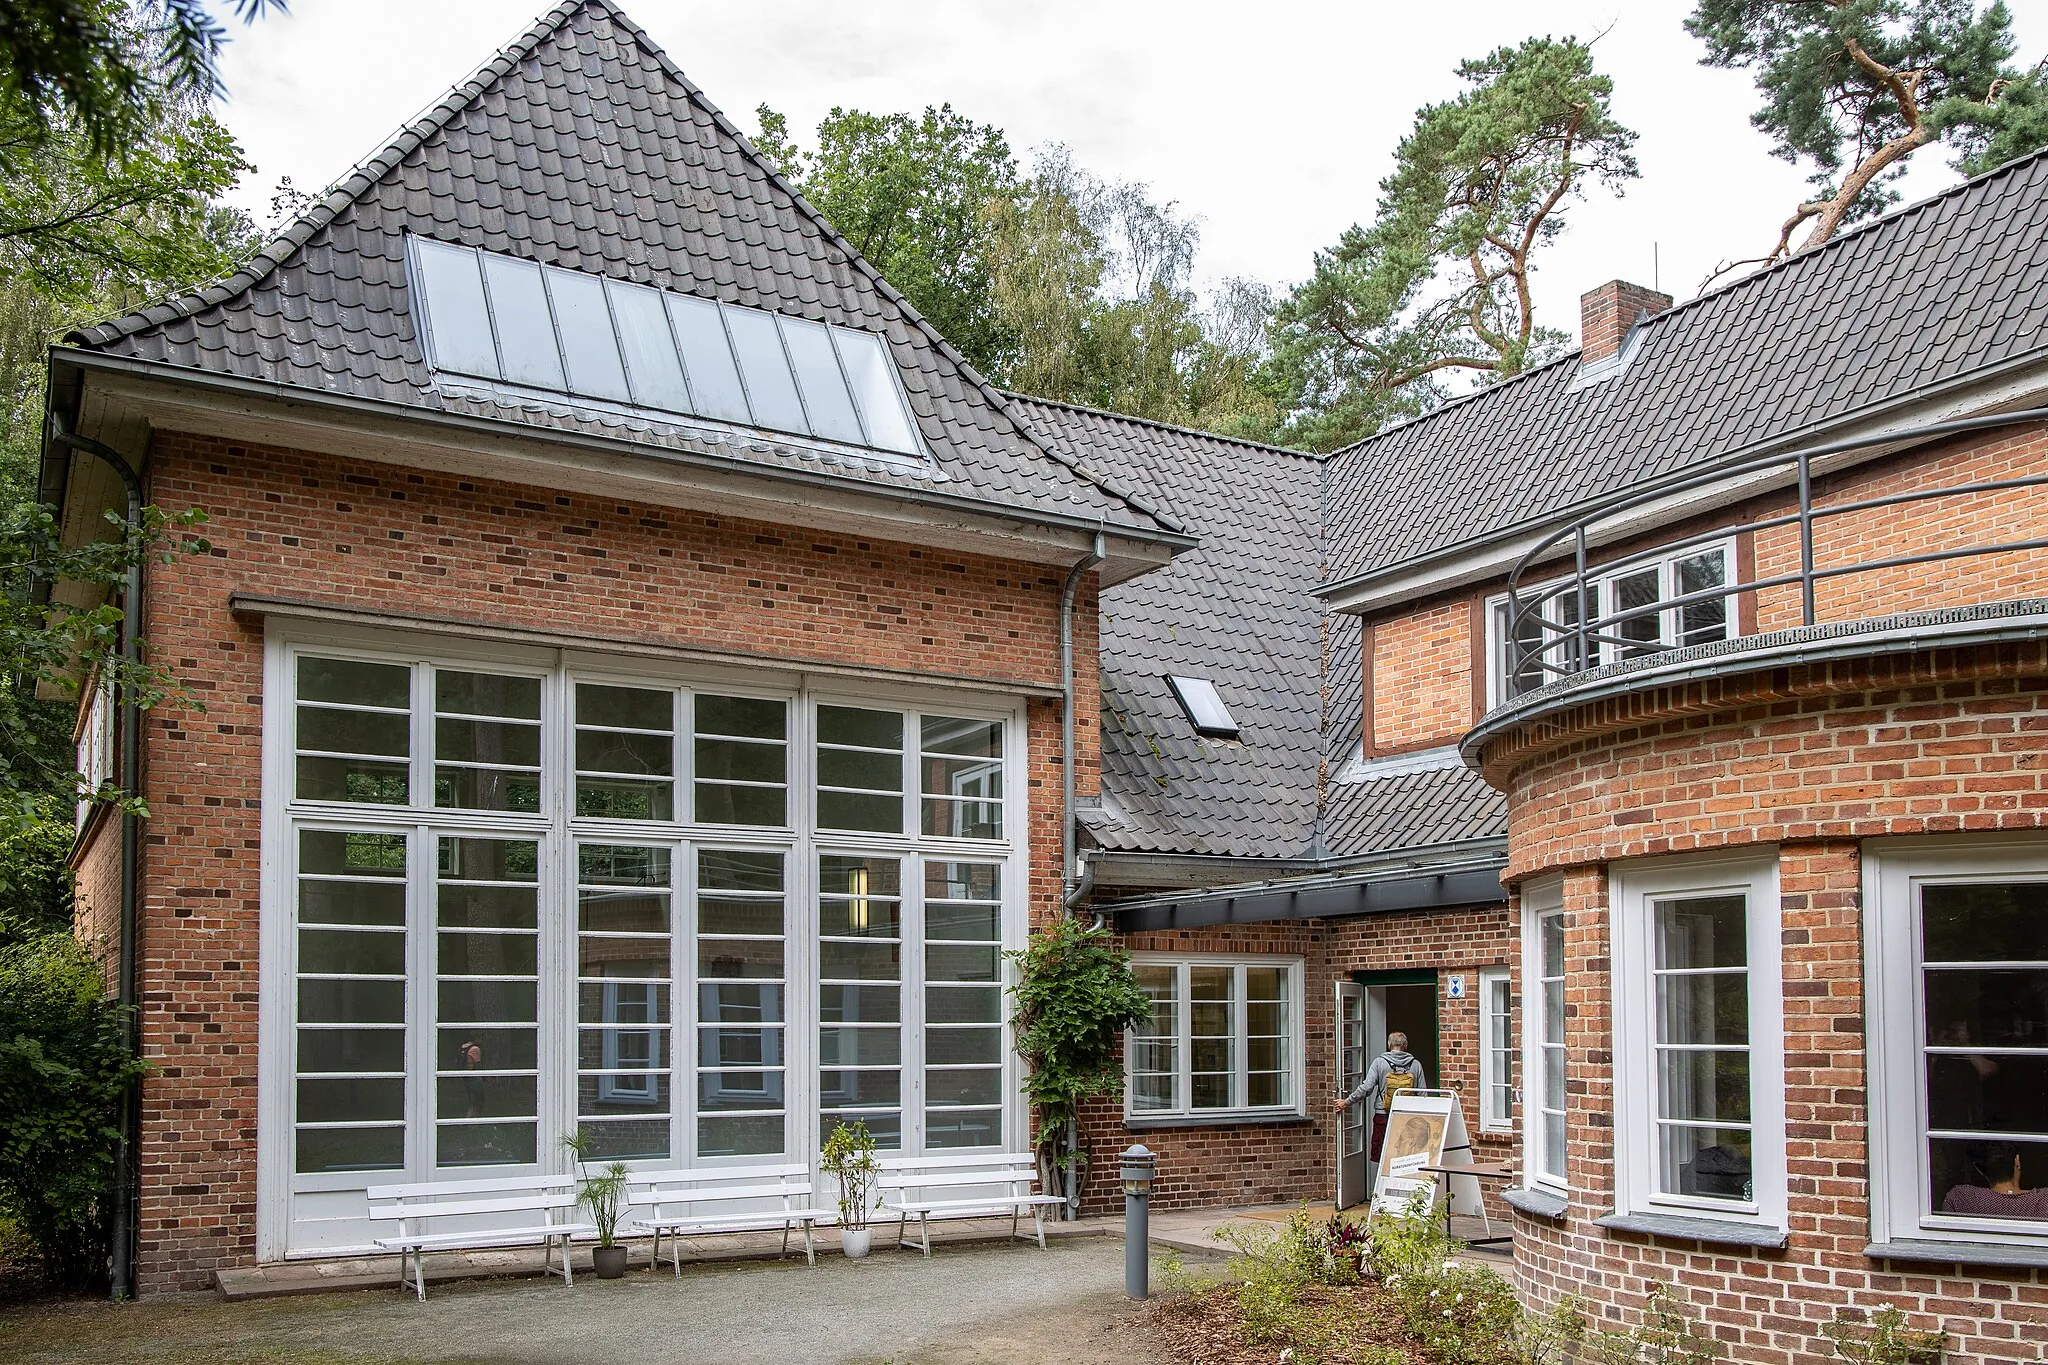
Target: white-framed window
pixel 1641 585
pixel 1543 1036
pixel 1496 1051
pixel 1699 1116
pixel 1957 968
pixel 95 757
pixel 1224 1038
pixel 693 914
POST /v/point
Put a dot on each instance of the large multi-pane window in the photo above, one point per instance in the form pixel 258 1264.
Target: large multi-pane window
pixel 1645 608
pixel 687 923
pixel 1224 1037
pixel 1700 1102
pixel 1496 1051
pixel 1543 1033
pixel 1959 1016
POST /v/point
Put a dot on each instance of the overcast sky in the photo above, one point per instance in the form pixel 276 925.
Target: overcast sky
pixel 1272 122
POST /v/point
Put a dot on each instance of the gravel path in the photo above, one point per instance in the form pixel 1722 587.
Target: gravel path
pixel 1003 1304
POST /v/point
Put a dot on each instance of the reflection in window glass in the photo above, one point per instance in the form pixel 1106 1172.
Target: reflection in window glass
pixel 1550 1090
pixel 458 319
pixel 707 357
pixel 742 760
pixel 771 390
pixel 354 723
pixel 1155 1043
pixel 622 1000
pixel 349 1097
pixel 873 377
pixel 1984 1041
pixel 741 981
pixel 625 752
pixel 963 979
pixel 1221 1037
pixel 526 327
pixel 860 973
pixel 962 775
pixel 860 769
pixel 1701 994
pixel 653 370
pixel 486 1047
pixel 824 387
pixel 589 343
pixel 486 741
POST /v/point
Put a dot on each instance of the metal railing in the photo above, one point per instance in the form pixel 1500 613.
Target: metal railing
pixel 1534 644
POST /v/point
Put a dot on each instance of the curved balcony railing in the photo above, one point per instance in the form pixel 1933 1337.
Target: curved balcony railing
pixel 1559 628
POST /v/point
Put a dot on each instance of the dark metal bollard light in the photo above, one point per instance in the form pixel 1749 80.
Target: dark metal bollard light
pixel 1136 1167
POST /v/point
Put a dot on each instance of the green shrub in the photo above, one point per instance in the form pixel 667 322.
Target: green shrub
pixel 62 1071
pixel 1882 1337
pixel 1461 1314
pixel 1665 1337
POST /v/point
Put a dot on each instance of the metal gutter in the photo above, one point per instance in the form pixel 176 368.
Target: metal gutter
pixel 1416 884
pixel 326 404
pixel 1071 887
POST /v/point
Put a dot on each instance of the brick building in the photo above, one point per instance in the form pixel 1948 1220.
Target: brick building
pixel 635 663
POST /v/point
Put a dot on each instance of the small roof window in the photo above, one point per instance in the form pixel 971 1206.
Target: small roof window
pixel 1204 705
pixel 501 318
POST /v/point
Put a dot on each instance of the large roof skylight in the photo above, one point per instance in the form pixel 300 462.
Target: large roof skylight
pixel 497 317
pixel 1204 706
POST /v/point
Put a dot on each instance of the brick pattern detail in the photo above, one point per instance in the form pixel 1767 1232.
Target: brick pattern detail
pixel 1421 670
pixel 1289 1161
pixel 1606 314
pixel 378 538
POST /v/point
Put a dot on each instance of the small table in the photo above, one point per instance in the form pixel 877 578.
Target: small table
pixel 1489 1170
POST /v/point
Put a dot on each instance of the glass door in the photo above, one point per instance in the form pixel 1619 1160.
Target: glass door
pixel 1352 1126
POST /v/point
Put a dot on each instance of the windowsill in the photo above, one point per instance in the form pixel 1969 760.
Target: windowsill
pixel 1959 1253
pixel 1232 1118
pixel 1537 1203
pixel 1715 1230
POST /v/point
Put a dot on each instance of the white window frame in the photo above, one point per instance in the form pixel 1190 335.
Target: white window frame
pixel 95 748
pixel 1895 1011
pixel 1540 900
pixel 1600 602
pixel 1633 885
pixel 1183 1110
pixel 1493 1118
pixel 559 831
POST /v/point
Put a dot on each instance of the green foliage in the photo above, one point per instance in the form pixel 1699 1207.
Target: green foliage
pixel 63 1067
pixel 849 1156
pixel 1664 1337
pixel 1439 283
pixel 105 67
pixel 1851 88
pixel 35 885
pixel 1882 1337
pixel 1075 995
pixel 604 1194
pixel 910 194
pixel 1461 1314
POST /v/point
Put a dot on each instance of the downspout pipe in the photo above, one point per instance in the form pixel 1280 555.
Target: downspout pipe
pixel 123 1269
pixel 1072 887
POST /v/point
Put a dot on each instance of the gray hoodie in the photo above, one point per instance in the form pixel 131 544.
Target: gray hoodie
pixel 1376 1077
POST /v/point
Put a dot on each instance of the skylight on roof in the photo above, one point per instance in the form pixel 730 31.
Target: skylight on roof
pixel 1204 706
pixel 497 317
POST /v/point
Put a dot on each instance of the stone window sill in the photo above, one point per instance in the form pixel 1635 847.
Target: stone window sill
pixel 1959 1253
pixel 1227 1120
pixel 1696 1230
pixel 1537 1203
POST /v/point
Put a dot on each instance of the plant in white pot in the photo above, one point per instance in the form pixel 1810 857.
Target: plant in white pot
pixel 604 1195
pixel 850 1156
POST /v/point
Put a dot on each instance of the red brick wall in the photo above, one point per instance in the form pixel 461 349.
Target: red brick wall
pixel 1419 669
pixel 1288 1161
pixel 380 538
pixel 1814 760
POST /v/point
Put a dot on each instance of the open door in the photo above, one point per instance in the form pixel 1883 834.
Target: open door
pixel 1355 1123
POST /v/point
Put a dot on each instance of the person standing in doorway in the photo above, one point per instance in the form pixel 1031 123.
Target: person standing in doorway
pixel 1393 1071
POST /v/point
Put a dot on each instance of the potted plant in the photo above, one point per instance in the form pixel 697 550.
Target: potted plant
pixel 605 1196
pixel 850 1156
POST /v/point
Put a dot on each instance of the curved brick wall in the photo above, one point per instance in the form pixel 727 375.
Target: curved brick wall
pixel 1814 760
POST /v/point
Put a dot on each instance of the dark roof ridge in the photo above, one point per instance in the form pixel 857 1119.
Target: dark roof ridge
pixel 437 117
pixel 1164 426
pixel 1816 254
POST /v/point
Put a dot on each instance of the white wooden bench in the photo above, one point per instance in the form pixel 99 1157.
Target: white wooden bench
pixel 541 1206
pixel 684 1203
pixel 962 1186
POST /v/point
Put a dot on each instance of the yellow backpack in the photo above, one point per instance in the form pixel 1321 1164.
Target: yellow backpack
pixel 1396 1082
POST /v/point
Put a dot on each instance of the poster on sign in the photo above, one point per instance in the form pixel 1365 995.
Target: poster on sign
pixel 1425 1128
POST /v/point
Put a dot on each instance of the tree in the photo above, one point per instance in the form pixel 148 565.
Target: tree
pixel 911 194
pixel 1855 87
pixel 102 68
pixel 1478 187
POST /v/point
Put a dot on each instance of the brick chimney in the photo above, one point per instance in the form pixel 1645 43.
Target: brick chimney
pixel 1606 314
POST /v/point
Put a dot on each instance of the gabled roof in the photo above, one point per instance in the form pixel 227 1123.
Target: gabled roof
pixel 582 145
pixel 1239 611
pixel 1940 291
